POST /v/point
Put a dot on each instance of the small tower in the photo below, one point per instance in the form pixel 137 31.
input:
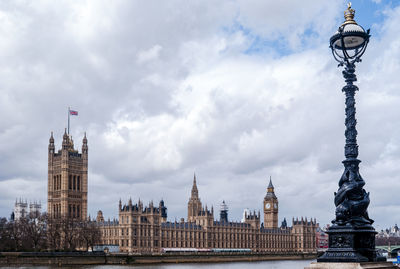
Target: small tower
pixel 194 204
pixel 270 207
pixel 163 210
pixel 35 209
pixel 223 215
pixel 84 174
pixel 284 224
pixel 51 144
pixel 20 209
pixel 253 219
pixel 99 217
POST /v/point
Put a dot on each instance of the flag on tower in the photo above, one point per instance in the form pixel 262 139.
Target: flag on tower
pixel 73 113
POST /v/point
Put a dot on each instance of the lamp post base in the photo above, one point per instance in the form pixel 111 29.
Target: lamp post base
pixel 351 244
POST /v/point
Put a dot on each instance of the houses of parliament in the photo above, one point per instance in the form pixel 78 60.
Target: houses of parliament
pixel 146 229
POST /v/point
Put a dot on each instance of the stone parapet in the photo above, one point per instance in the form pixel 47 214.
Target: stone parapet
pixel 98 258
pixel 351 265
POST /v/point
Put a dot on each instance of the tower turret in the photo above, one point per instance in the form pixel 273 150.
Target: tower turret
pixel 163 210
pixel 65 143
pixel 284 224
pixel 51 144
pixel 223 215
pixel 84 145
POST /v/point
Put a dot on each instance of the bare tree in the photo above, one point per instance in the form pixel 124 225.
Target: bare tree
pixel 41 233
pixel 69 234
pixel 6 242
pixel 53 234
pixel 385 241
pixel 16 233
pixel 35 232
pixel 89 234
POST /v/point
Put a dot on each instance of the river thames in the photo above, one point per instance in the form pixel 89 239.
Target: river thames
pixel 237 265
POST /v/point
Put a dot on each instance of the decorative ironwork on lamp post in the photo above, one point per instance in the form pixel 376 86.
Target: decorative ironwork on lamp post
pixel 351 237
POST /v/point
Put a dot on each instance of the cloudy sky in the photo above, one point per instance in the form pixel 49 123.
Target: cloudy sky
pixel 235 91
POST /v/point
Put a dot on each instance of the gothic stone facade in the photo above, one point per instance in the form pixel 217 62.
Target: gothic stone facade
pixel 142 229
pixel 67 180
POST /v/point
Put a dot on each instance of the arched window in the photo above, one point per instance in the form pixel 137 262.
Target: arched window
pixel 73 211
pixel 78 183
pixel 69 210
pixel 70 182
pixel 74 183
pixel 78 211
pixel 54 183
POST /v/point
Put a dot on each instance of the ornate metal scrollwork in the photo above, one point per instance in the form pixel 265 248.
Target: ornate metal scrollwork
pixel 342 241
pixel 351 200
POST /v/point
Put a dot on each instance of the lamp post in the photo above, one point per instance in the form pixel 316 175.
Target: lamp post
pixel 351 237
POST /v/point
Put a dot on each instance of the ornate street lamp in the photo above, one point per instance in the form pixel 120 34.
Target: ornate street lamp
pixel 351 237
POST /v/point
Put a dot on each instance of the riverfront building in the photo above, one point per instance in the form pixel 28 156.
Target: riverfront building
pixel 145 229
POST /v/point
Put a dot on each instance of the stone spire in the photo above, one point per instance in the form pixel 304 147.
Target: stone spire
pixel 51 143
pixel 194 204
pixel 270 190
pixel 84 145
pixel 195 191
pixel 51 140
pixel 270 186
pixel 65 143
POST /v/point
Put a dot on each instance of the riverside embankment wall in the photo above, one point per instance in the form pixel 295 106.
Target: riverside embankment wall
pixel 78 258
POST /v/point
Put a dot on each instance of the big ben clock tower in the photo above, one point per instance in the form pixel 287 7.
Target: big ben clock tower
pixel 270 207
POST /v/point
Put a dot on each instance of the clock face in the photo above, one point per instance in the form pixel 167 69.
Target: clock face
pixel 275 205
pixel 267 205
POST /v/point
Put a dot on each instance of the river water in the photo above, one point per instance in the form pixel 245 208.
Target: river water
pixel 234 265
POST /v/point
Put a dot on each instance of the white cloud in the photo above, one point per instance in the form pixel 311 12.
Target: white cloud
pixel 150 54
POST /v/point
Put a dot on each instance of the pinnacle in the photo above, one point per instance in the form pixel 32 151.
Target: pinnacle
pixel 270 183
pixel 51 140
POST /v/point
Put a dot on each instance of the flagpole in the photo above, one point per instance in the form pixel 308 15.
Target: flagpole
pixel 68 118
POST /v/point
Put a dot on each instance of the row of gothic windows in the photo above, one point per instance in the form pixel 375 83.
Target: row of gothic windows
pixel 57 182
pixel 74 211
pixel 57 210
pixel 74 183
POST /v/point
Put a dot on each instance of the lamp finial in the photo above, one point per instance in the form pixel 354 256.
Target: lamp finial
pixel 349 15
